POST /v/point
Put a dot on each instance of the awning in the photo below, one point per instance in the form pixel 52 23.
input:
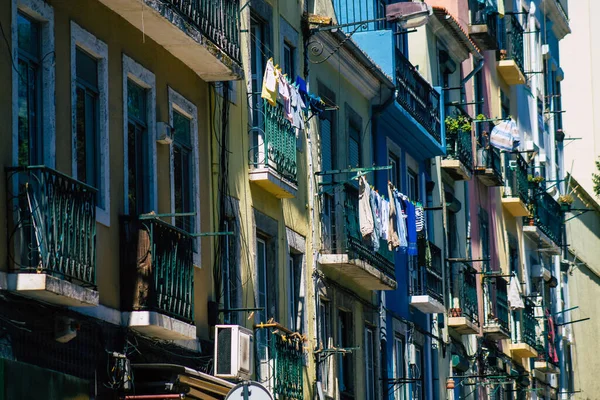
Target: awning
pixel 452 34
pixel 154 378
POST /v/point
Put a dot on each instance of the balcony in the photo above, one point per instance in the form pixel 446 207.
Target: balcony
pixel 488 166
pixel 524 343
pixel 418 97
pixel 279 360
pixel 458 162
pixel 202 34
pixel 557 13
pixel 426 283
pixel 511 56
pixel 547 356
pixel 273 164
pixel 157 278
pixel 496 326
pixel 344 251
pixel 51 236
pixel 515 197
pixel 484 25
pixel 464 314
pixel 545 225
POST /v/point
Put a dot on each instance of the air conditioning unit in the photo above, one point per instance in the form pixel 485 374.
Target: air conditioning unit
pixel 233 352
pixel 539 271
pixel 552 380
pixel 164 133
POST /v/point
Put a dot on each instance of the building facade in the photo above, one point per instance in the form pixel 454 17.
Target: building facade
pixel 370 188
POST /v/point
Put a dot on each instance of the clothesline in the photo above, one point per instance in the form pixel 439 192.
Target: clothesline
pixel 278 87
pixel 398 221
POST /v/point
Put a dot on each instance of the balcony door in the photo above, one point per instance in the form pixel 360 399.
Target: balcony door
pixel 30 141
pixel 138 195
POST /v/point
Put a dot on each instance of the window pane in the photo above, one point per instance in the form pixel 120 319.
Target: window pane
pixel 353 151
pixel 132 170
pixel 87 68
pixel 182 127
pixel 26 122
pixel 28 35
pixel 136 101
pixel 81 134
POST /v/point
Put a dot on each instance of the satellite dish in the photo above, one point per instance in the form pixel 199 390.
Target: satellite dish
pixel 249 390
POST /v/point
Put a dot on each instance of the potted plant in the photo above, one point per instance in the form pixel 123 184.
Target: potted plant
pixel 534 181
pixel 454 127
pixel 565 201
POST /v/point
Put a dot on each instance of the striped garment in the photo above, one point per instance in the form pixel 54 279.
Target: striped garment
pixel 505 136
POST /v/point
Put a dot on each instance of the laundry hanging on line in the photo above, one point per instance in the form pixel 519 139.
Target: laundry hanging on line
pixel 293 96
pixel 397 221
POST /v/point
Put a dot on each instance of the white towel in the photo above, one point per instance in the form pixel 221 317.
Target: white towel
pixel 514 295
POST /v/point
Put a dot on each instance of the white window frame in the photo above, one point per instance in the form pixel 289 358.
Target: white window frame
pixel 44 13
pixel 146 79
pixel 99 50
pixel 185 107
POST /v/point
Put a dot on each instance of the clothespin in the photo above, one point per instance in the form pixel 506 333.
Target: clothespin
pixel 271 59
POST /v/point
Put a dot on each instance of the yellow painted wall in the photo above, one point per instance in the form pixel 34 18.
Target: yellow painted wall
pixel 121 38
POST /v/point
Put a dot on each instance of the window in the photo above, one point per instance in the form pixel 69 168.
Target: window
pixel 139 124
pixel 183 167
pixel 400 388
pixel 136 138
pixel 30 141
pixel 381 14
pixel 137 143
pixel 354 150
pixel 296 316
pixel 412 185
pixel 89 102
pixel 345 362
pixel 289 65
pixel 394 174
pixel 484 236
pixel 324 335
pixel 417 367
pixel 370 363
pixel 400 38
pixel 505 104
pixel 87 94
pixel 262 303
pixel 33 83
pixel 259 37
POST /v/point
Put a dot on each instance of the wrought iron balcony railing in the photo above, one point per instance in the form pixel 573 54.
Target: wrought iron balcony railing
pixel 52 224
pixel 499 315
pixel 418 97
pixel 275 143
pixel 515 177
pixel 486 15
pixel 157 268
pixel 468 292
pixel 511 40
pixel 428 280
pixel 525 326
pixel 347 239
pixel 547 215
pixel 488 160
pixel 459 146
pixel 219 20
pixel 280 360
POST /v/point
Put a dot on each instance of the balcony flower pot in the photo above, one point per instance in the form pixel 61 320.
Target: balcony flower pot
pixel 565 201
pixel 531 221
